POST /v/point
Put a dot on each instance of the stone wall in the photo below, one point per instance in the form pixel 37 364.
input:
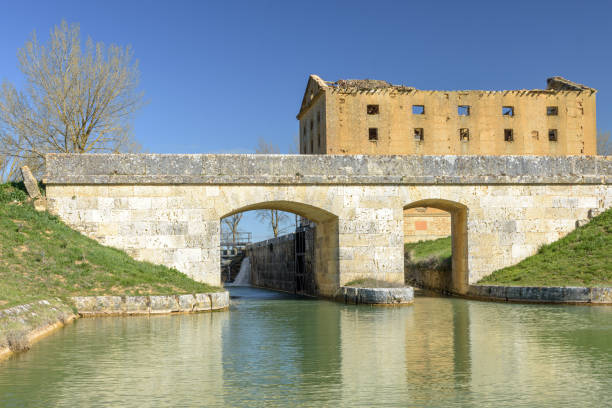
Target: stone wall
pixel 423 224
pixel 167 208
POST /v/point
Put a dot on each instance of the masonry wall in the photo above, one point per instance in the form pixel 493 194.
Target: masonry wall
pixel 423 224
pixel 167 208
pixel 347 122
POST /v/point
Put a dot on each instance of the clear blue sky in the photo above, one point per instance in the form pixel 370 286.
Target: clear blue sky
pixel 219 75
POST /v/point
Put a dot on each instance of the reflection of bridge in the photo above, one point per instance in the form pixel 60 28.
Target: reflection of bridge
pixel 167 208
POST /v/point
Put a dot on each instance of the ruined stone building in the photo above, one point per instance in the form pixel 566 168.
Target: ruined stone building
pixel 375 117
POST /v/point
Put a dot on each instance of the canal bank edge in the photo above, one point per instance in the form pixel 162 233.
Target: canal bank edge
pixel 154 304
pixel 375 296
pixel 536 294
pixel 23 325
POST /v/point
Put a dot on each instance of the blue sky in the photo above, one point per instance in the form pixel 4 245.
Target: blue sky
pixel 220 75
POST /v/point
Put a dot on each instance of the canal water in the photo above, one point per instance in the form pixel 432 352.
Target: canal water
pixel 277 350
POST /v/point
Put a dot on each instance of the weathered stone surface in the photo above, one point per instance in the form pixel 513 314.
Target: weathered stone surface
pixel 219 300
pixel 202 302
pixel 30 182
pixel 375 296
pixel 136 304
pixel 164 304
pixel 186 302
pixel 117 305
pixel 542 294
pixel 324 169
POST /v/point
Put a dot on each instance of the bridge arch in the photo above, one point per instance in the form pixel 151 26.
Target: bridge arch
pixel 458 281
pixel 326 238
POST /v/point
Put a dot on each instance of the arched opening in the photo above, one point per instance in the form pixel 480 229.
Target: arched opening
pixel 435 236
pixel 300 259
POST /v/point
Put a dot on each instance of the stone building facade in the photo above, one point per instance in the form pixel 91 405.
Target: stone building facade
pixel 374 117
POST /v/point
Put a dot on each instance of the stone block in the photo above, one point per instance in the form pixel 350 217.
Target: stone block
pixel 30 182
pixel 137 304
pixel 164 304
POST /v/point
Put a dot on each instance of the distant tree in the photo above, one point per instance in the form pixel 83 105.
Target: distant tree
pixel 231 225
pixel 604 143
pixel 264 147
pixel 75 101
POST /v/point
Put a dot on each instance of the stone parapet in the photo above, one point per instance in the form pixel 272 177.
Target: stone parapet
pixel 160 304
pixel 534 294
pixel 221 169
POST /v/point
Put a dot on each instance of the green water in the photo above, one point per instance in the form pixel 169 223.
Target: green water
pixel 277 350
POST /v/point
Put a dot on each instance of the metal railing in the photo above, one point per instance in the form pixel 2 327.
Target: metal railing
pixel 239 239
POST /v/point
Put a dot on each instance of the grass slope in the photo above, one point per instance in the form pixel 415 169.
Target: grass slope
pixel 582 258
pixel 440 248
pixel 41 257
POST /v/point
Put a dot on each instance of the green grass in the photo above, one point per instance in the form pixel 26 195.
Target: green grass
pixel 582 258
pixel 423 250
pixel 41 257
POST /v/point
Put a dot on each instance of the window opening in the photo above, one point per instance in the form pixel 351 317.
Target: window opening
pixel 464 135
pixel 508 135
pixel 463 110
pixel 373 134
pixel 552 110
pixel 372 109
pixel 552 135
pixel 419 134
pixel 508 110
pixel 418 109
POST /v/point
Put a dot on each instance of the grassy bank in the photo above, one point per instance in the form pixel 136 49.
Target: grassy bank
pixel 582 258
pixel 437 248
pixel 42 258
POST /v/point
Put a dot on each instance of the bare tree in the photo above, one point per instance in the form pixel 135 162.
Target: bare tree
pixel 604 143
pixel 231 225
pixel 75 101
pixel 275 218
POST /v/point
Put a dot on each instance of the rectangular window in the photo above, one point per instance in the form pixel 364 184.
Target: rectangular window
pixel 419 134
pixel 508 135
pixel 552 110
pixel 372 109
pixel 508 110
pixel 319 139
pixel 418 109
pixel 464 135
pixel 373 134
pixel 552 135
pixel 463 110
pixel 318 117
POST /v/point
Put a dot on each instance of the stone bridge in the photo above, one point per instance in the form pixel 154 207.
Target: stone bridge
pixel 167 208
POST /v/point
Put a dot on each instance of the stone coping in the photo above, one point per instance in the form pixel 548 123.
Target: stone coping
pixel 534 294
pixel 146 305
pixel 375 296
pixel 323 169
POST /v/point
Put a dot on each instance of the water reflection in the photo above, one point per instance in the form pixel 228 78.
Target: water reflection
pixel 278 350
